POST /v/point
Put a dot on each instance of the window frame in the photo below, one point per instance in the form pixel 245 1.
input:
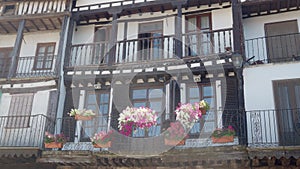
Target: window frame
pixel 147 100
pixel 36 58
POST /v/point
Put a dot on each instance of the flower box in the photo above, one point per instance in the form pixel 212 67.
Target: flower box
pixel 174 142
pixel 84 118
pixel 223 139
pixel 102 145
pixel 53 145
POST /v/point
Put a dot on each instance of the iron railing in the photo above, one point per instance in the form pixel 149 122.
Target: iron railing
pixel 268 128
pixel 151 48
pixel 24 131
pixel 33 7
pixel 280 48
pixel 273 127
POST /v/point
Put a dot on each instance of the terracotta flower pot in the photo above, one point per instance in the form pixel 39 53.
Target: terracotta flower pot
pixel 83 118
pixel 102 145
pixel 224 139
pixel 53 145
pixel 174 142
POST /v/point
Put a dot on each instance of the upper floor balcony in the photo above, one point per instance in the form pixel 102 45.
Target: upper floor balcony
pixel 41 14
pixel 204 46
pixel 273 49
pixel 29 67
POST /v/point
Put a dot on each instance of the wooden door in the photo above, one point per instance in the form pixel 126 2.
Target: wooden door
pixel 281 42
pixel 287 101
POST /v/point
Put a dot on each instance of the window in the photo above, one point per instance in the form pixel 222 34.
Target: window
pixel 287 101
pixel 97 101
pixel 150 44
pixel 20 110
pixel 282 42
pixel 197 93
pixel 198 38
pixel 5 61
pixel 154 99
pixel 44 56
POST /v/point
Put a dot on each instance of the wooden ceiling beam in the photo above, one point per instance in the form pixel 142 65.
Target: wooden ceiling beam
pixel 43 23
pixel 52 23
pixel 36 27
pixel 4 28
pixel 13 26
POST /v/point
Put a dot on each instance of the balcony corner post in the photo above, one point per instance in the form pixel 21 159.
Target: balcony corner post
pixel 178 28
pixel 237 27
pixel 16 51
pixel 113 35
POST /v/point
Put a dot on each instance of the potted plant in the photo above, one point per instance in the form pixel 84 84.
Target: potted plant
pixel 54 141
pixel 82 114
pixel 223 135
pixel 175 134
pixel 102 139
pixel 132 118
pixel 203 106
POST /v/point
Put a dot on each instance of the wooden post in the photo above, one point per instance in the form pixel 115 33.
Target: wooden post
pixel 237 27
pixel 16 50
pixel 178 28
pixel 113 36
pixel 70 32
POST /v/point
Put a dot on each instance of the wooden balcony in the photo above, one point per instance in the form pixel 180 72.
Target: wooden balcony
pixel 199 46
pixel 40 15
pixel 30 67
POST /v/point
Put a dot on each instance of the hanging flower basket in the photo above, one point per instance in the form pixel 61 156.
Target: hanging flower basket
pixel 203 111
pixel 174 142
pixel 83 118
pixel 54 145
pixel 223 139
pixel 82 114
pixel 102 145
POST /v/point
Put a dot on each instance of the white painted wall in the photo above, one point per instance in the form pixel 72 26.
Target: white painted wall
pixel 7 40
pixel 258 83
pixel 30 41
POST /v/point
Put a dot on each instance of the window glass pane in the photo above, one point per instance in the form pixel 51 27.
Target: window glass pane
pixel 51 49
pixel 140 104
pixel 157 106
pixel 210 102
pixel 42 50
pixel 208 91
pixel 204 22
pixel 104 98
pixel 192 24
pixel 194 92
pixel 139 94
pixel 155 93
pixel 194 100
pixel 103 109
pixel 92 99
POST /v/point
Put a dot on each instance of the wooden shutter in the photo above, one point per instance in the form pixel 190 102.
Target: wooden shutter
pixel 20 110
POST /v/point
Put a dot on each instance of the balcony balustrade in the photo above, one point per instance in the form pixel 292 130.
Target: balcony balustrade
pixel 265 128
pixel 280 48
pixel 30 66
pixel 159 48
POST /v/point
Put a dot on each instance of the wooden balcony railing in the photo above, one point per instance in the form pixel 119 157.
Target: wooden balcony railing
pixel 24 131
pixel 32 7
pixel 280 48
pixel 151 48
pixel 30 66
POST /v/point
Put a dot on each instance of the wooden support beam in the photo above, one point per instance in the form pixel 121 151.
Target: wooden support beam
pixel 52 23
pixel 33 23
pixel 16 50
pixel 237 27
pixel 43 23
pixel 4 28
pixel 13 26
